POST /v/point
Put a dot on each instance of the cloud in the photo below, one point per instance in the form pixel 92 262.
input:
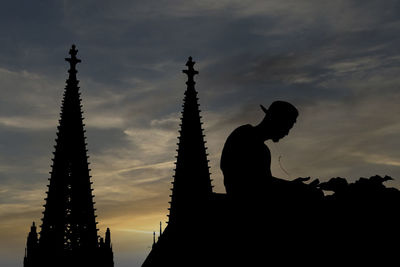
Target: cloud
pixel 26 123
pixel 380 159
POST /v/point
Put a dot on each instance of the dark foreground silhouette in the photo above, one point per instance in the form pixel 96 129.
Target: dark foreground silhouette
pixel 264 220
pixel 292 223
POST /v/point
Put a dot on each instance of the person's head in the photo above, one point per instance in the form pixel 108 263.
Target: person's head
pixel 279 119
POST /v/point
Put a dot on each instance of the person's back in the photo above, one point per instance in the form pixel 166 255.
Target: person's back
pixel 245 161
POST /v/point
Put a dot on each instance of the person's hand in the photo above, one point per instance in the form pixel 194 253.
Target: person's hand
pixel 301 179
pixel 314 183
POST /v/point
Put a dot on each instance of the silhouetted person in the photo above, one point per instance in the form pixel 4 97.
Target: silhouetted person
pixel 257 200
pixel 246 160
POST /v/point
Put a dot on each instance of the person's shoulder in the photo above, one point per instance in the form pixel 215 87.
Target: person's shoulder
pixel 247 128
pixel 240 133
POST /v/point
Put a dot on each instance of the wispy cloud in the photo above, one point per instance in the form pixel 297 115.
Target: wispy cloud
pixel 26 122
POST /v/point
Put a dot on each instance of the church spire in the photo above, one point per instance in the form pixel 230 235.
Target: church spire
pixel 192 196
pixel 69 216
pixel 69 231
pixel 192 184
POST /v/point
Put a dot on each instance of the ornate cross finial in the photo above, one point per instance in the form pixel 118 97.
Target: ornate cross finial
pixel 190 72
pixel 73 60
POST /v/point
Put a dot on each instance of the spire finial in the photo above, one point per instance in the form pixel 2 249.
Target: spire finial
pixel 108 237
pixel 33 228
pixel 190 72
pixel 73 60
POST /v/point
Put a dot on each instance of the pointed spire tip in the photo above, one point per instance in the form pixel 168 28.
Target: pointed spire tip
pixel 190 72
pixel 73 60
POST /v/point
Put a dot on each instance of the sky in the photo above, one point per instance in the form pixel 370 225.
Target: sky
pixel 337 61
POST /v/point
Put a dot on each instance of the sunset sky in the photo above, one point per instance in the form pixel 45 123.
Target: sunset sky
pixel 337 61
